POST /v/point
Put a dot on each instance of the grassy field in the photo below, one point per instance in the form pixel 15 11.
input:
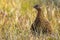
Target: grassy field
pixel 16 17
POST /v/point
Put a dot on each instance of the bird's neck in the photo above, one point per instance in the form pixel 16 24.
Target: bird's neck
pixel 40 15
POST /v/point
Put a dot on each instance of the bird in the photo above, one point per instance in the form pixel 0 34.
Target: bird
pixel 40 23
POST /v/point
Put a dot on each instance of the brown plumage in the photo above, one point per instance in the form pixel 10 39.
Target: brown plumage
pixel 40 24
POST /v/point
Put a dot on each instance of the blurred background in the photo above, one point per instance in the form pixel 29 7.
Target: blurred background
pixel 16 17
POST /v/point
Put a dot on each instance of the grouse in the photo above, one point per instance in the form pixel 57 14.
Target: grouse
pixel 40 25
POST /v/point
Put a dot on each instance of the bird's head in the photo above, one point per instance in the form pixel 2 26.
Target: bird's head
pixel 37 7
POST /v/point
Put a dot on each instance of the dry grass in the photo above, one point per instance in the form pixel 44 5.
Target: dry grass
pixel 18 15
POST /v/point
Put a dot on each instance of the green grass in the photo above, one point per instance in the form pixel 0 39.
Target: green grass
pixel 20 14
